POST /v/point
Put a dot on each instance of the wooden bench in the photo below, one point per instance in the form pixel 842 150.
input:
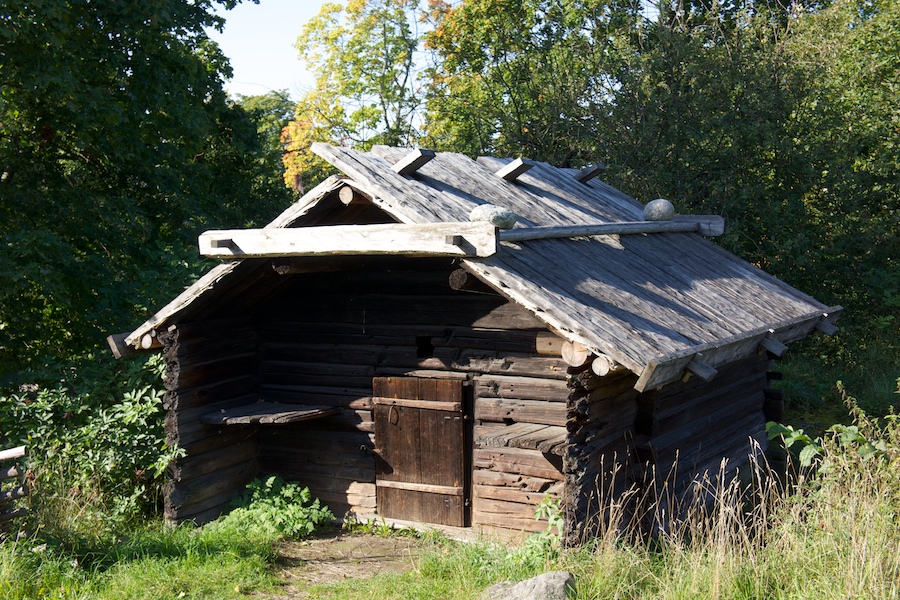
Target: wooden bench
pixel 265 413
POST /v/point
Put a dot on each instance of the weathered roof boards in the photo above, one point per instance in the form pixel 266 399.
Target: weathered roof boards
pixel 376 304
pixel 653 303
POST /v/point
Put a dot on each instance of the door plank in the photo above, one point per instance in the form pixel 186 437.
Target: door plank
pixel 419 436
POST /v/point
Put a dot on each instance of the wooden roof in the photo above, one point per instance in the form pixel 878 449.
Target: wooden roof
pixel 651 302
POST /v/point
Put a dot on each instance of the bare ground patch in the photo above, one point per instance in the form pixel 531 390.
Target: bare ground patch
pixel 340 555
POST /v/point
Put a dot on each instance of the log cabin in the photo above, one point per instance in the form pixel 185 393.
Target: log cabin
pixel 410 364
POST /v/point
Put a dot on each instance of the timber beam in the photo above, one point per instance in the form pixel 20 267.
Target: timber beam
pixel 708 225
pixel 462 239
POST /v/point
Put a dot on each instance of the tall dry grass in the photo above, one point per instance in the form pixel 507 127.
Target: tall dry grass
pixel 831 530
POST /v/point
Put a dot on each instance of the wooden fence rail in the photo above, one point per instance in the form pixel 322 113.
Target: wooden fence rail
pixel 9 494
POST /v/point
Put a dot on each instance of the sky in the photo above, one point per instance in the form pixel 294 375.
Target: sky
pixel 259 41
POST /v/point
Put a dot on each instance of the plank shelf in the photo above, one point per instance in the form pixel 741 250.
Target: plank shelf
pixel 265 413
pixel 546 438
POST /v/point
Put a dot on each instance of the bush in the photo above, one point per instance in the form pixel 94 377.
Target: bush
pixel 271 509
pixel 95 438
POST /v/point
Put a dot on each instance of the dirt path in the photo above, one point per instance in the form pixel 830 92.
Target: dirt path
pixel 340 556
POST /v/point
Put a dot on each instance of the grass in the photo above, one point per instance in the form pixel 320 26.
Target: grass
pixel 156 562
pixel 834 532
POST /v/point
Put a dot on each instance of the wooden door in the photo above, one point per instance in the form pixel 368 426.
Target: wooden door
pixel 420 440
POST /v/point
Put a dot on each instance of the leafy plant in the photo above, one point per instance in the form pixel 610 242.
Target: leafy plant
pixel 95 439
pixel 804 447
pixel 273 509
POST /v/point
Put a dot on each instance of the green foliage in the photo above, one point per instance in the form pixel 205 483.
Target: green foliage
pixel 95 437
pixel 146 561
pixel 367 82
pixel 118 147
pixel 271 112
pixel 271 509
pixel 804 447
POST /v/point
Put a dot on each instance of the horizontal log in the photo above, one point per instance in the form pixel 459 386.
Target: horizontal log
pixel 463 281
pixel 209 438
pixel 286 439
pixel 350 196
pixel 299 460
pixel 180 376
pixel 9 472
pixel 193 491
pixel 575 354
pixel 503 507
pixel 502 520
pixel 284 395
pixel 511 495
pixel 200 512
pixel 516 461
pixel 13 494
pixel 603 365
pixel 520 411
pixel 220 390
pixel 326 484
pixel 521 234
pixel 294 376
pixel 215 329
pixel 239 342
pixel 199 464
pixel 468 239
pixel 13 514
pixel 301 471
pixel 354 501
pixel 515 481
pixel 12 453
pixel 522 388
pixel 545 438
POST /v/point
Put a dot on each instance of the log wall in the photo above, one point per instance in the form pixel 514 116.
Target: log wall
pixel 657 444
pixel 323 340
pixel 601 435
pixel 210 366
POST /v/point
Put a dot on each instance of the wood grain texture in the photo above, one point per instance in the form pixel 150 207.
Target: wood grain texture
pixel 429 239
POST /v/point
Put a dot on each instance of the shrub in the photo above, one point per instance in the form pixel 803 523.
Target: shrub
pixel 95 439
pixel 272 509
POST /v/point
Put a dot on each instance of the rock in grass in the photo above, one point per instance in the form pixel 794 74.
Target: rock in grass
pixel 556 585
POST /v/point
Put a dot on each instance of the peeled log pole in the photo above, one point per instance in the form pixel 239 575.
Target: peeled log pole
pixel 575 354
pixel 12 453
pixel 13 494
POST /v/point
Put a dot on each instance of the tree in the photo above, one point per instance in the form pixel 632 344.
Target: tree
pixel 117 147
pixel 533 77
pixel 272 113
pixel 367 81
